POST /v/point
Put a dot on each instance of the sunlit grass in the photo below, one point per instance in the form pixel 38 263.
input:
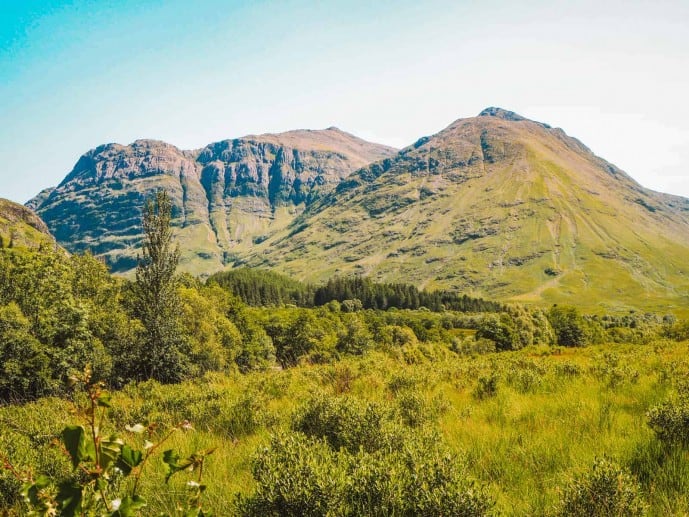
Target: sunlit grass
pixel 550 417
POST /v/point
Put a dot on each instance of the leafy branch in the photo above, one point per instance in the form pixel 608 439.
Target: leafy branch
pixel 101 462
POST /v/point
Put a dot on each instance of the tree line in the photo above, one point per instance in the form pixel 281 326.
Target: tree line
pixel 262 288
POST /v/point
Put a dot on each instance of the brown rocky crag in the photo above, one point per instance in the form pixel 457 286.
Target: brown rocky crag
pixel 225 196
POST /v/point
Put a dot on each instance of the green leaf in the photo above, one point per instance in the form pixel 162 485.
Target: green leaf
pixel 171 459
pixel 69 496
pixel 104 400
pixel 129 506
pixel 30 490
pixel 110 451
pixel 74 439
pixel 129 459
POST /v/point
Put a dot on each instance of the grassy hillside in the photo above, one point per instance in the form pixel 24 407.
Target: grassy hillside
pixel 19 226
pixel 500 208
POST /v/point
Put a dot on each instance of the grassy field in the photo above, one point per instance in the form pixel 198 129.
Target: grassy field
pixel 523 424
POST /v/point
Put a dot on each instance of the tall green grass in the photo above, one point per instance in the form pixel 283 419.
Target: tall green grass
pixel 544 422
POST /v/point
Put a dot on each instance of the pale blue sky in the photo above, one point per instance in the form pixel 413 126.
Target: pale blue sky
pixel 75 74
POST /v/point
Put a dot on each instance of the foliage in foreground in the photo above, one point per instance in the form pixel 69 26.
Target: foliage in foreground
pixel 546 417
pixel 670 420
pixel 106 470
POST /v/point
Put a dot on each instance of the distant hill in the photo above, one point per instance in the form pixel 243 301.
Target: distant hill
pixel 501 207
pixel 226 196
pixel 20 226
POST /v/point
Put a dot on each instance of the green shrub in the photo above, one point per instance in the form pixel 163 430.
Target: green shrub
pixel 296 476
pixel 606 490
pixel 343 423
pixel 299 475
pixel 24 365
pixel 678 331
pixel 413 410
pixel 525 380
pixel 501 330
pixel 568 325
pixel 402 381
pixel 487 386
pixel 245 416
pixel 670 421
pixel 418 478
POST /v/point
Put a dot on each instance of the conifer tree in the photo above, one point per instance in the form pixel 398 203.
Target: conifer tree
pixel 156 300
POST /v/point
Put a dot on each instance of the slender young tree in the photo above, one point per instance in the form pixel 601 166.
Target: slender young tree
pixel 156 300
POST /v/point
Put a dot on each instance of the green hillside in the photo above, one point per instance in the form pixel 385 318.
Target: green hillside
pixel 19 226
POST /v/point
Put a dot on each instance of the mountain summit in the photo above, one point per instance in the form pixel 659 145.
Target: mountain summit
pixel 501 113
pixel 498 206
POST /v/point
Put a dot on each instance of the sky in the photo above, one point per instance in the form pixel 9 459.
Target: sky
pixel 77 74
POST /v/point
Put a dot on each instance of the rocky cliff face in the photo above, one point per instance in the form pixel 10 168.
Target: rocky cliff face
pixel 226 196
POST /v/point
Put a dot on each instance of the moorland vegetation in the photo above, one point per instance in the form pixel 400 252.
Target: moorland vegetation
pixel 347 398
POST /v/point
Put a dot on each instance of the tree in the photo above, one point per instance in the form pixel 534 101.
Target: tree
pixel 24 366
pixel 501 330
pixel 568 325
pixel 156 300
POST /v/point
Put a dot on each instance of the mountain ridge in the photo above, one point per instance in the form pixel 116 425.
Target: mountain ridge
pixel 224 194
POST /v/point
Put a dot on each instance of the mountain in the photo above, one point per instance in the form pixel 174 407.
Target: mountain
pixel 226 196
pixel 20 226
pixel 496 206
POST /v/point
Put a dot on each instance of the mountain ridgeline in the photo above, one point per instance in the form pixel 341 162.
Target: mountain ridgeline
pixel 225 196
pixel 495 206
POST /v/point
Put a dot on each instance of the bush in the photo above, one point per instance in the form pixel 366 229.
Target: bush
pixel 343 423
pixel 24 365
pixel 501 330
pixel 299 475
pixel 487 386
pixel 296 476
pixel 413 410
pixel 670 421
pixel 568 325
pixel 605 490
pixel 678 331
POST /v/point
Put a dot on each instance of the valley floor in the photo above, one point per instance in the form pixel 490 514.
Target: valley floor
pixel 523 424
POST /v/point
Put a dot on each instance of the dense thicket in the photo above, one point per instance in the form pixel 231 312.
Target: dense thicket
pixel 383 296
pixel 60 313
